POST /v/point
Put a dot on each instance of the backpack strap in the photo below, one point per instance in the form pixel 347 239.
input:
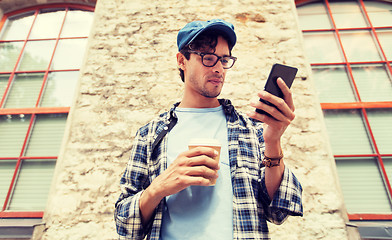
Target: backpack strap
pixel 166 129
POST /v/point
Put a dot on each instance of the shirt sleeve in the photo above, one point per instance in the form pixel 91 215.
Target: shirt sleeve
pixel 287 199
pixel 127 213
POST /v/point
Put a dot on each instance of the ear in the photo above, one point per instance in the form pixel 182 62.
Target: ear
pixel 181 61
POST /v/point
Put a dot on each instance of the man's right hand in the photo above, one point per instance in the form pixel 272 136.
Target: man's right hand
pixel 192 167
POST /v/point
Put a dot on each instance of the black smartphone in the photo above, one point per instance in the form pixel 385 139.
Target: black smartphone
pixel 287 73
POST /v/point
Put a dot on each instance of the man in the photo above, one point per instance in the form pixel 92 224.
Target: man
pixel 166 190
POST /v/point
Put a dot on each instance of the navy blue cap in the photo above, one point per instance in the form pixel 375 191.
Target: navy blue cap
pixel 188 33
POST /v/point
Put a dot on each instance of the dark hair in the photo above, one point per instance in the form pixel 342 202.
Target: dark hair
pixel 205 42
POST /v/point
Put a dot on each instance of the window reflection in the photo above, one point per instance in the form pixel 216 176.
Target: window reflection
pixel 363 188
pixel 3 83
pixel 7 169
pixel 379 13
pixel 9 53
pixel 373 82
pixel 33 185
pixel 24 90
pixel 13 129
pixel 47 24
pixel 347 132
pixel 29 68
pixel 385 37
pixel 59 89
pixel 313 16
pixel 17 27
pixel 77 24
pixel 46 136
pixel 347 14
pixel 359 46
pixel 380 122
pixel 37 55
pixel 333 84
pixel 361 177
pixel 388 167
pixel 69 54
pixel 322 47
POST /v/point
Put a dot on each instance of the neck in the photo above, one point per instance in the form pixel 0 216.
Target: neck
pixel 200 102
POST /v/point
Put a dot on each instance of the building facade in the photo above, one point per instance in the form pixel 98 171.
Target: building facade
pixel 128 75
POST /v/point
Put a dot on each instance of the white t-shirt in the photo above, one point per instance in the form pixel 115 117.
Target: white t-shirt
pixel 199 212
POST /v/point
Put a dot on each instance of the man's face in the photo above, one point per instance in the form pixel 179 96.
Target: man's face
pixel 206 81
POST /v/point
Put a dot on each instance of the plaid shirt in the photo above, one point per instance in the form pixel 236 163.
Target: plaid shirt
pixel 252 206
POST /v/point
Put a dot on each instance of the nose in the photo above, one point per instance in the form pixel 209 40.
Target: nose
pixel 218 68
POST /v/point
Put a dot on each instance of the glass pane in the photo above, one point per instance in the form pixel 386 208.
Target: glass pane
pixel 9 53
pixel 347 14
pixel 359 46
pixel 388 167
pixel 333 84
pixel 69 54
pixel 77 24
pixel 347 132
pixel 47 135
pixel 32 186
pixel 47 24
pixel 381 125
pixel 7 168
pixel 17 28
pixel 313 16
pixel 322 48
pixel 60 88
pixel 363 187
pixel 24 90
pixel 385 37
pixel 380 14
pixel 373 82
pixel 13 130
pixel 37 55
pixel 3 84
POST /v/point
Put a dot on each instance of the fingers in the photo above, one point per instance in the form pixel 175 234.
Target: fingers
pixel 288 98
pixel 195 167
pixel 197 172
pixel 284 115
pixel 184 181
pixel 281 109
pixel 192 167
pixel 202 156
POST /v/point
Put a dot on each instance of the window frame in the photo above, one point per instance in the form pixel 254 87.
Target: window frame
pixel 36 110
pixel 359 104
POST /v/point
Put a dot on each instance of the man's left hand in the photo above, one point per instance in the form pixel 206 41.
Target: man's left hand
pixel 282 115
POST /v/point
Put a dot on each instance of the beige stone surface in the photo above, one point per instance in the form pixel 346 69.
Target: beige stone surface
pixel 129 75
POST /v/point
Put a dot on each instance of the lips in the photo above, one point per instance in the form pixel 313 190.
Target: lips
pixel 215 80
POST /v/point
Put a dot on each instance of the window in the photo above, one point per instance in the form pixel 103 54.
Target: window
pixel 349 46
pixel 41 51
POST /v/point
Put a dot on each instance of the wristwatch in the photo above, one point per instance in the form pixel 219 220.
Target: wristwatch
pixel 272 162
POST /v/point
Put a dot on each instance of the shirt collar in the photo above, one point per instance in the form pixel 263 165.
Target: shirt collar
pixel 228 108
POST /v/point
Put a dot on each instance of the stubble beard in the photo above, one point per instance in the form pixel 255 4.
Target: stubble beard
pixel 208 93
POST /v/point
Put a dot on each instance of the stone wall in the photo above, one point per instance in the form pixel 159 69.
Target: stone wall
pixel 130 75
